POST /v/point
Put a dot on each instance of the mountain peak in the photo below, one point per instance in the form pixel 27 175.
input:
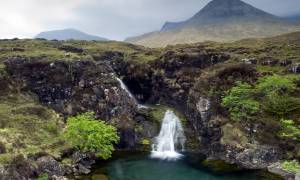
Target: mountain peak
pixel 220 11
pixel 230 8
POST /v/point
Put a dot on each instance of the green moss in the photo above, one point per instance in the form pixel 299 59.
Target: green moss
pixel 145 142
pixel 43 176
pixel 291 166
pixel 233 136
pixel 219 166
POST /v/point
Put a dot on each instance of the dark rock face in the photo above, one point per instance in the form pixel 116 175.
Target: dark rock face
pixel 19 169
pixel 167 78
pixel 83 162
pixel 73 87
pixel 49 165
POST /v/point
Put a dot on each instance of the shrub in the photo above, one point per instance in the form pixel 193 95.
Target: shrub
pixel 87 134
pixel 289 130
pixel 275 84
pixel 281 105
pixel 291 166
pixel 240 102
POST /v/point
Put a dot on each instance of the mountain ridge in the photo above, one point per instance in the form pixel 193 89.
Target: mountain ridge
pixel 68 34
pixel 219 20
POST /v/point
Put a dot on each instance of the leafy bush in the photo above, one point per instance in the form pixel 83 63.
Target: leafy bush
pixel 281 105
pixel 240 102
pixel 87 134
pixel 275 84
pixel 273 93
pixel 289 130
pixel 291 166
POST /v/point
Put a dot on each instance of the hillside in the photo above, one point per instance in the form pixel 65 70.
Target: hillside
pixel 68 34
pixel 219 20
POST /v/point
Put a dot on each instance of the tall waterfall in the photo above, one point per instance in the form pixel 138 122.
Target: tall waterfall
pixel 124 87
pixel 170 138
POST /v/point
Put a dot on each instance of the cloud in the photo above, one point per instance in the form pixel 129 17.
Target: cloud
pixel 114 19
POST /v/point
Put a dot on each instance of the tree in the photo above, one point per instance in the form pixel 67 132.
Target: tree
pixel 240 102
pixel 90 135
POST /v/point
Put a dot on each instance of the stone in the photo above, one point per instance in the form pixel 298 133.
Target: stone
pixel 295 68
pixel 49 165
pixel 276 168
pixel 249 61
pixel 203 107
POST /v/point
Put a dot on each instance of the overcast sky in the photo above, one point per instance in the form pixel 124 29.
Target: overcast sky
pixel 113 19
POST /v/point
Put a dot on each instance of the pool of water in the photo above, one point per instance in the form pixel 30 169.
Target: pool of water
pixel 145 168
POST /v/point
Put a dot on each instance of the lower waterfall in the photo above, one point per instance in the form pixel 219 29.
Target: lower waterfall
pixel 171 138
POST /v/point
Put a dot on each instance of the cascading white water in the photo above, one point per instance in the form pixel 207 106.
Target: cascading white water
pixel 171 136
pixel 124 87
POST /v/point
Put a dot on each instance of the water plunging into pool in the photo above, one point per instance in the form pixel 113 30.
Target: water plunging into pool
pixel 170 139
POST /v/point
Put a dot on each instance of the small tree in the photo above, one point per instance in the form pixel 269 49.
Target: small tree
pixel 88 134
pixel 240 102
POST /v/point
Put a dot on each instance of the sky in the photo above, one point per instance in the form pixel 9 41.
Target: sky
pixel 113 19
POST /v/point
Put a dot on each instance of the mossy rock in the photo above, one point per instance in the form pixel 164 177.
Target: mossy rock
pixel 233 136
pixel 219 166
pixel 99 177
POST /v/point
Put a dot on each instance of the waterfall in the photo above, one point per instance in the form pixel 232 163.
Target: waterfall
pixel 171 136
pixel 124 87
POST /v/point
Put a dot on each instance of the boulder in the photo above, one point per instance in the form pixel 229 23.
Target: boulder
pixel 49 165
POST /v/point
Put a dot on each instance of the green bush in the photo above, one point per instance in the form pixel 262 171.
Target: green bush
pixel 89 135
pixel 289 130
pixel 291 166
pixel 240 102
pixel 281 105
pixel 275 84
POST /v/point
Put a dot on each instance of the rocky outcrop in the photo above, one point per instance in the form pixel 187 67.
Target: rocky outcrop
pixel 52 167
pixel 72 87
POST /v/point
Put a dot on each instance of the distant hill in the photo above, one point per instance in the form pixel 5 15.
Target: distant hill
pixel 67 34
pixel 219 20
pixel 295 17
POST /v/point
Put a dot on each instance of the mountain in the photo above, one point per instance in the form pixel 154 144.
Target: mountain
pixel 67 34
pixel 219 20
pixel 295 17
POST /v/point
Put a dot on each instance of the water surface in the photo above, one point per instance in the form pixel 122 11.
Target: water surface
pixel 145 168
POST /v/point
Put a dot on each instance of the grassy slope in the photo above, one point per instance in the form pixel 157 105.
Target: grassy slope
pixel 228 32
pixel 27 128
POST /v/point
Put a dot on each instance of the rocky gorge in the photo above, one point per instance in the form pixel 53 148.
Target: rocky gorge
pixel 191 79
